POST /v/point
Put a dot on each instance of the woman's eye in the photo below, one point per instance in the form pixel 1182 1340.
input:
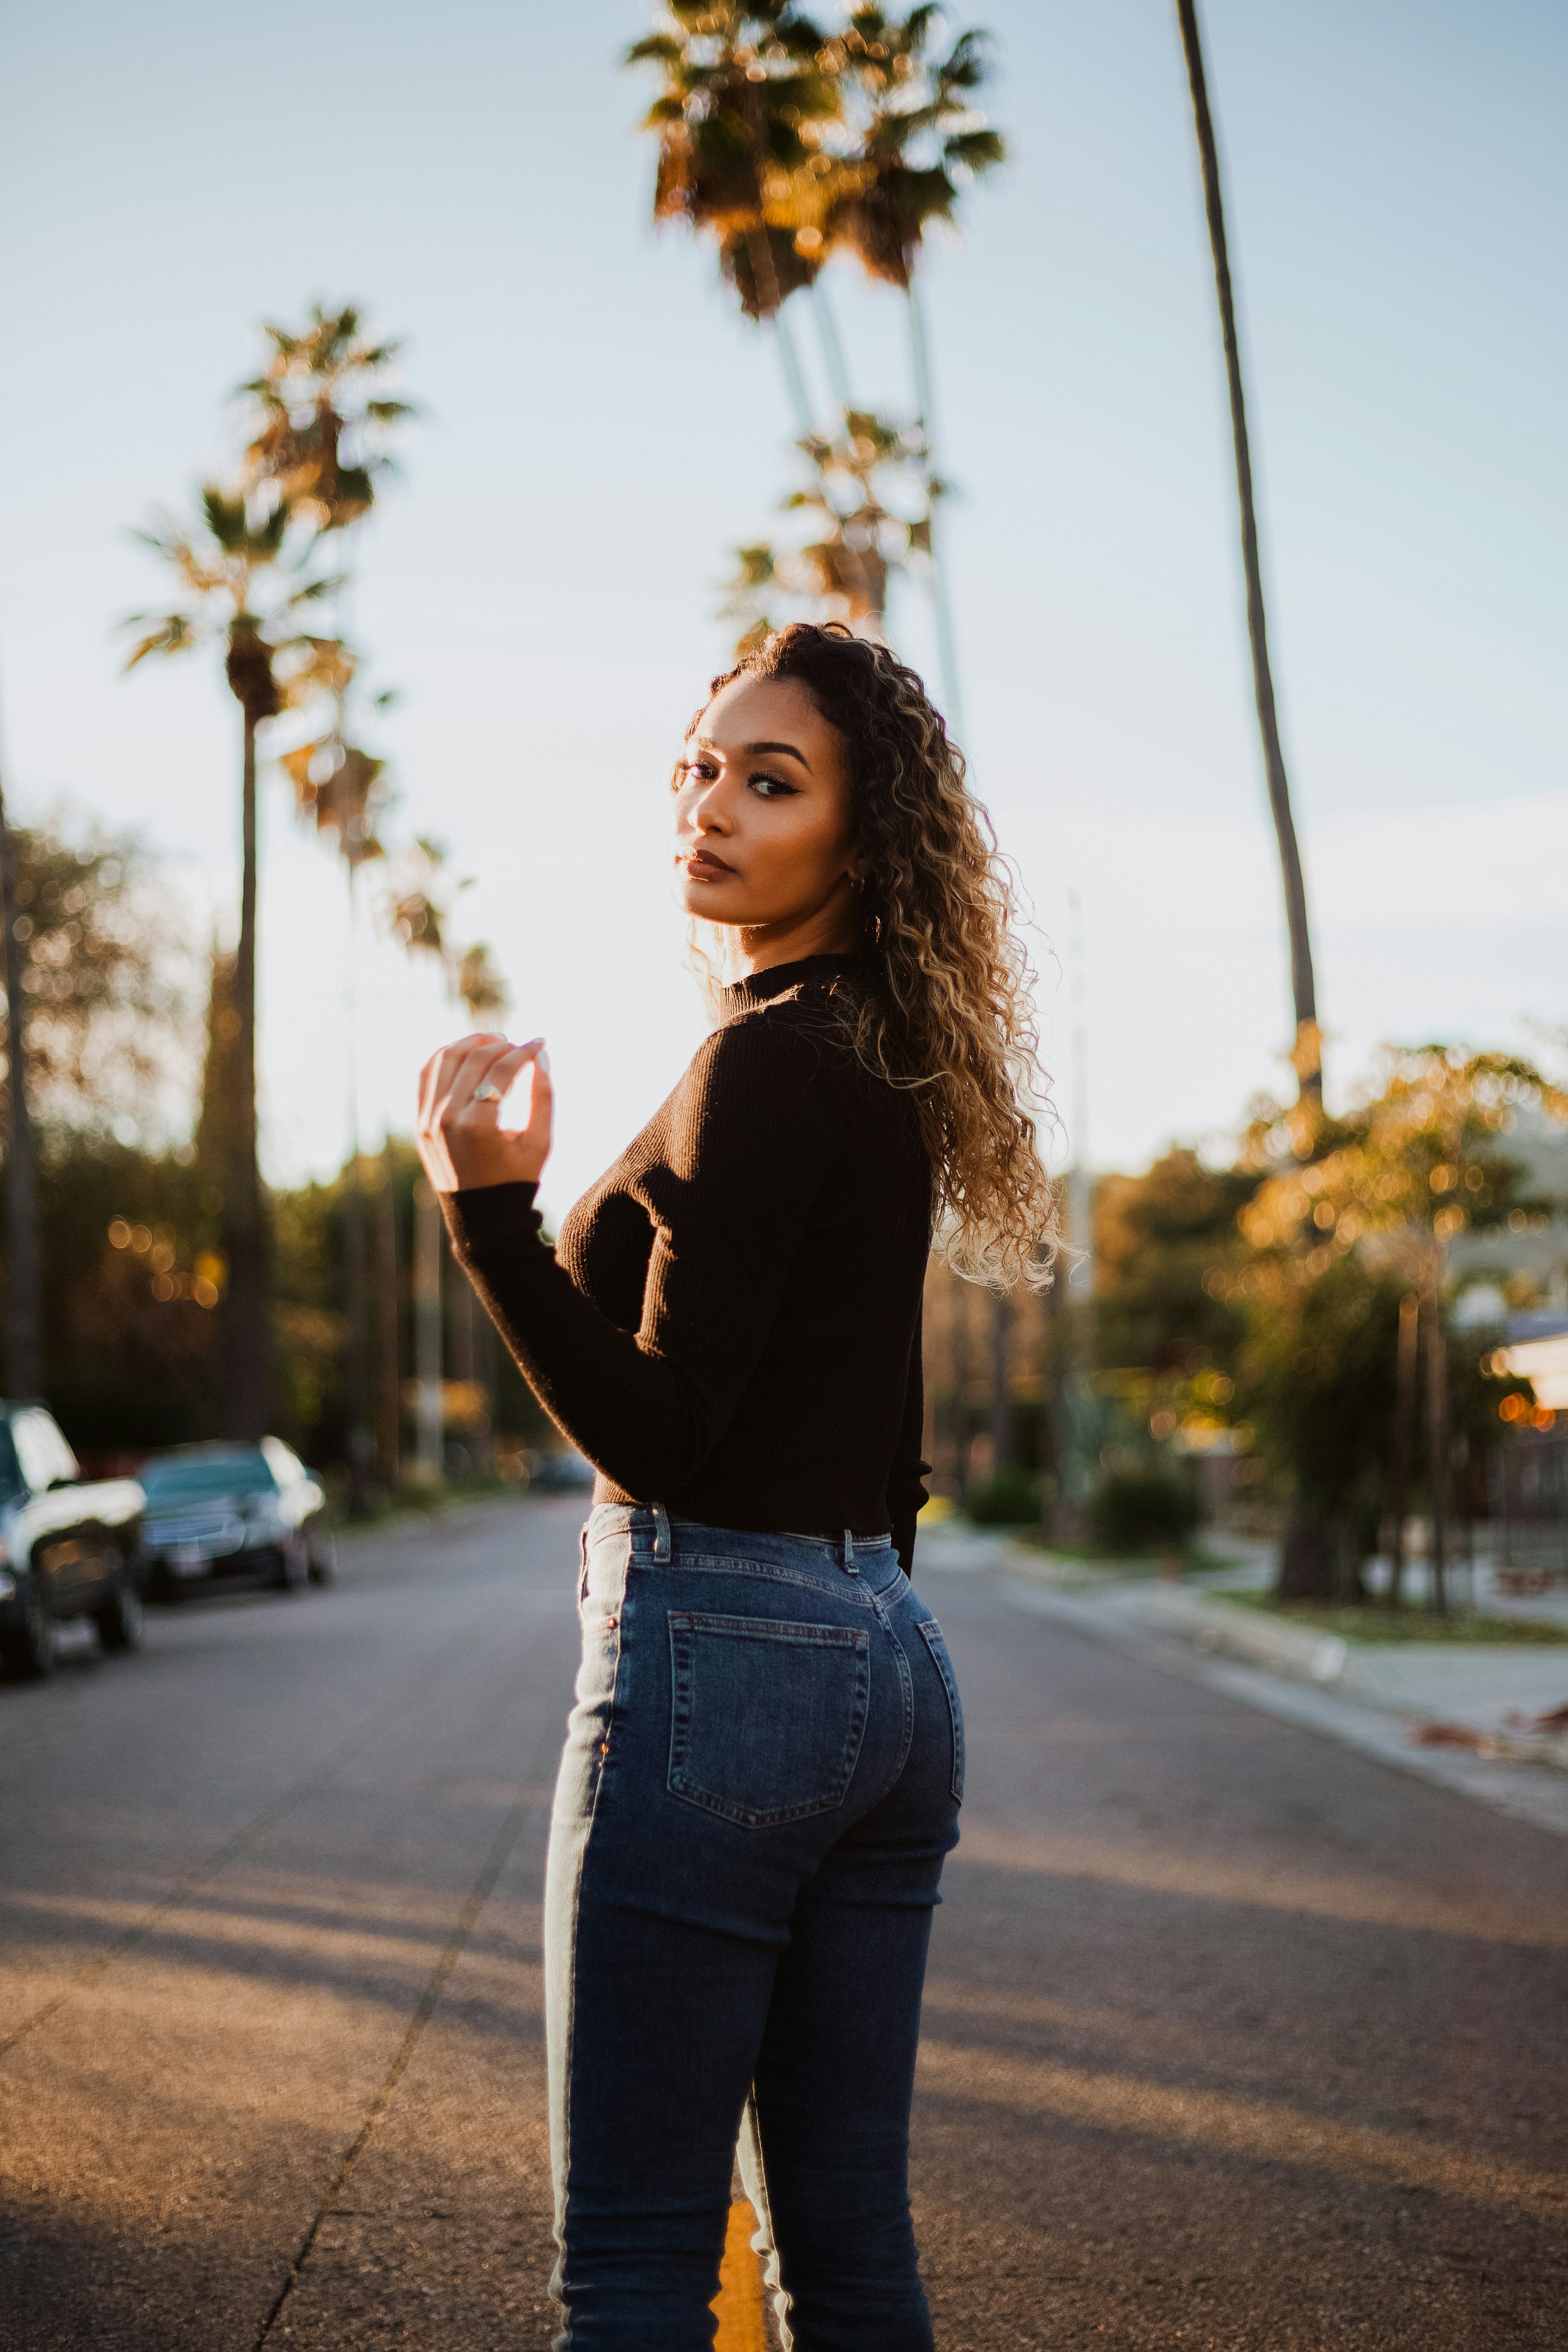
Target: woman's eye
pixel 695 772
pixel 772 788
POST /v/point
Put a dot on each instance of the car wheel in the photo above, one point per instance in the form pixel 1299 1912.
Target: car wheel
pixel 323 1558
pixel 293 1565
pixel 28 1650
pixel 119 1620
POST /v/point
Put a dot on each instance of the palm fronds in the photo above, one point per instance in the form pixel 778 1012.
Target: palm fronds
pixel 318 434
pixel 786 145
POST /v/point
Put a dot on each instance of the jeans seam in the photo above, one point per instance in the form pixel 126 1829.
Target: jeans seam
pixel 565 2338
pixel 907 1684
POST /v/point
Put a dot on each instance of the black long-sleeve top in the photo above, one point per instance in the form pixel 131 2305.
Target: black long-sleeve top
pixel 729 1322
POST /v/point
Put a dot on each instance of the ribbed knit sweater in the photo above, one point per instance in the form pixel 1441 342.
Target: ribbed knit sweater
pixel 730 1321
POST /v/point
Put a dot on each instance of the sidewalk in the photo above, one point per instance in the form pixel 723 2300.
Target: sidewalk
pixel 1472 1704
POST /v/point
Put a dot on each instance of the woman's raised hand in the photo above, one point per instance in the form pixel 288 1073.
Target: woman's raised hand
pixel 461 1139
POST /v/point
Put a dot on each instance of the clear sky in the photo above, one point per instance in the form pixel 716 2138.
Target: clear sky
pixel 601 429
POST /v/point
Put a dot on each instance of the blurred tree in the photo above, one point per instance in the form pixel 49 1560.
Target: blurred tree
pixel 1318 1383
pixel 246 574
pixel 133 1277
pixel 915 136
pixel 786 145
pixel 417 907
pixel 843 573
pixel 916 139
pixel 320 426
pixel 748 94
pixel 1308 1052
pixel 1419 1158
pixel 95 1029
pixel 102 977
pixel 1163 1245
pixel 98 1006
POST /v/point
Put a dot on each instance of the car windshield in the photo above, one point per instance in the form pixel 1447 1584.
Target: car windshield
pixel 193 1477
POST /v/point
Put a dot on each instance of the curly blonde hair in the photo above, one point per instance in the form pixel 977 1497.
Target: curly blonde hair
pixel 949 1016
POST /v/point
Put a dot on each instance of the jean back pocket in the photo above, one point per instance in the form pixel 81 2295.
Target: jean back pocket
pixel 767 1716
pixel 936 1644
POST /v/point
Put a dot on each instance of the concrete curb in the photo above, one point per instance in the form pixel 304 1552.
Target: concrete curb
pixel 1488 1689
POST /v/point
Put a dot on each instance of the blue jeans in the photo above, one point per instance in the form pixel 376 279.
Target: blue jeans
pixel 761 1782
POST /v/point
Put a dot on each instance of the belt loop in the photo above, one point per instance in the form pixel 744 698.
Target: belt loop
pixel 849 1566
pixel 661 1532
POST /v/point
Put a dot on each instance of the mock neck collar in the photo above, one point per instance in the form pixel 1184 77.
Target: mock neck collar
pixel 759 987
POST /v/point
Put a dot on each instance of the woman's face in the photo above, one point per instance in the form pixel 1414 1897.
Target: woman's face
pixel 763 825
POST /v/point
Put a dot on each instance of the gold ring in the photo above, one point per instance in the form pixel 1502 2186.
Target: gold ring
pixel 487 1093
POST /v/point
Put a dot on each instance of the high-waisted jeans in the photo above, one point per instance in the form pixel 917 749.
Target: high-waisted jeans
pixel 761 1782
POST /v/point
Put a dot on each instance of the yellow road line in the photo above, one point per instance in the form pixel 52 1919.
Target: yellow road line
pixel 743 2323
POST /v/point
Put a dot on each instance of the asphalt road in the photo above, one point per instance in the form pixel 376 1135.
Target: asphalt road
pixel 1233 2038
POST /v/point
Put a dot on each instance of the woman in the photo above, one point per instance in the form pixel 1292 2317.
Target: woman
pixel 764 1768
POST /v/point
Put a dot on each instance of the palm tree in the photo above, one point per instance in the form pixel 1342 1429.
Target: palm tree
pixel 918 138
pixel 844 573
pixel 246 575
pixel 319 435
pixel 1308 1055
pixel 740 122
pixel 418 907
pixel 787 146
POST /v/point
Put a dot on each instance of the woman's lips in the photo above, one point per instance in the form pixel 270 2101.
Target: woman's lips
pixel 704 867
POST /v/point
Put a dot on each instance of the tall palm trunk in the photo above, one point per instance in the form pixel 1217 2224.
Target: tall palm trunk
pixel 24 1368
pixel 1308 1050
pixel 246 1349
pixel 947 644
pixel 1436 1432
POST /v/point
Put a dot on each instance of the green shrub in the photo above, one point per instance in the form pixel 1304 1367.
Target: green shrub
pixel 1136 1510
pixel 1010 1499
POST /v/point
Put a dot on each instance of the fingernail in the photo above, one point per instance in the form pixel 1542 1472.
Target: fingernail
pixel 541 1061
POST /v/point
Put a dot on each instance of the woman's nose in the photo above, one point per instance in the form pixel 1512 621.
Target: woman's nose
pixel 708 814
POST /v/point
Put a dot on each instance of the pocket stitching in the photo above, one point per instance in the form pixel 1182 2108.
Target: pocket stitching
pixel 936 1642
pixel 684 1626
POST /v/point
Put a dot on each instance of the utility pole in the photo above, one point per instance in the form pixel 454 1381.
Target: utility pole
pixel 428 1230
pixel 389 1390
pixel 1080 1191
pixel 1438 1430
pixel 1404 1436
pixel 24 1365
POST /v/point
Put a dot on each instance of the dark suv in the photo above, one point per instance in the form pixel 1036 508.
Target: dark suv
pixel 219 1511
pixel 67 1549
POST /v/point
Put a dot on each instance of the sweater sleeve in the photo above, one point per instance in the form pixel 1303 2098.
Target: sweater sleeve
pixel 750 1137
pixel 906 1494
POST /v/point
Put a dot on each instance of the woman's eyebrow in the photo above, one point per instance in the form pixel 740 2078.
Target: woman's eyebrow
pixel 753 750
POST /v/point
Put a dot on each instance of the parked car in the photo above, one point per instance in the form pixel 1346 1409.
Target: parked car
pixel 68 1548
pixel 563 1471
pixel 220 1511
